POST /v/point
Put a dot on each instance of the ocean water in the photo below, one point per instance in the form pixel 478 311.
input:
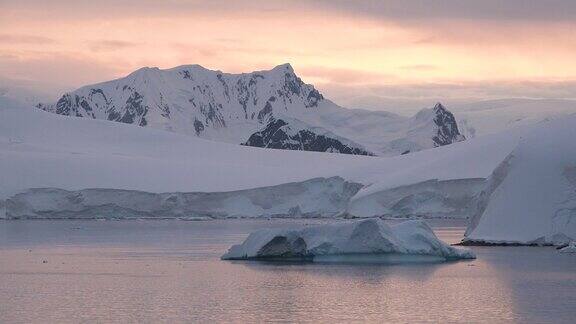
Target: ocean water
pixel 170 271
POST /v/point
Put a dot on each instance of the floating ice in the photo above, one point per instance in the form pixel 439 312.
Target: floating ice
pixel 365 239
pixel 570 248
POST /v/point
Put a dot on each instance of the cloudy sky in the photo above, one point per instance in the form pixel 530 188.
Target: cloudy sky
pixel 352 50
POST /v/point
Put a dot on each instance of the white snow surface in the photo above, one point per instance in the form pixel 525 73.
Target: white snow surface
pixel 365 237
pixel 494 116
pixel 44 150
pixel 41 149
pixel 531 197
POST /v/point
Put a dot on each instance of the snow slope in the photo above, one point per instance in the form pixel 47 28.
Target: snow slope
pixel 365 238
pixel 493 116
pixel 27 93
pixel 40 149
pixel 226 107
pixel 531 197
pixel 68 155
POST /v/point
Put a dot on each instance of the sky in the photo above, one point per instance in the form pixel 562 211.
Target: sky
pixel 358 53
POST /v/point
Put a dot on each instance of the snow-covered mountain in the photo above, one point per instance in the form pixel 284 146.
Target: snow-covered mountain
pixel 247 108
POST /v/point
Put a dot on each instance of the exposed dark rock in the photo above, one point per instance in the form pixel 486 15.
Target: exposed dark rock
pixel 134 110
pixel 313 98
pixel 185 74
pixel 447 128
pixel 278 134
pixel 64 105
pixel 265 112
pixel 198 126
pixel 484 243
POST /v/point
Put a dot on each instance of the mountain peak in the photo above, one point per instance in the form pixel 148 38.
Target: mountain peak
pixel 286 67
pixel 144 71
pixel 192 67
pixel 438 107
pixel 447 128
pixel 427 114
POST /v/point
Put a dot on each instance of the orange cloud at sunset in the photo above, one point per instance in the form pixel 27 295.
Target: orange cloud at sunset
pixel 334 45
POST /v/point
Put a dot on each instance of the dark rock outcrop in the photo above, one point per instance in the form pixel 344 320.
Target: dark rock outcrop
pixel 278 134
pixel 446 127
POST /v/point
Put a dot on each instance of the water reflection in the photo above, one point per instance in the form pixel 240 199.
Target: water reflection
pixel 541 281
pixel 448 292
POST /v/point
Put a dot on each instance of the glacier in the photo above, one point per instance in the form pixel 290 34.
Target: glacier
pixel 319 197
pixel 428 199
pixel 530 198
pixel 48 155
pixel 494 116
pixel 345 241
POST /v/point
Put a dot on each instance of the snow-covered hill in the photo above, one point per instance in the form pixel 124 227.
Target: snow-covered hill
pixel 86 165
pixel 27 93
pixel 531 197
pixel 493 116
pixel 233 108
pixel 477 117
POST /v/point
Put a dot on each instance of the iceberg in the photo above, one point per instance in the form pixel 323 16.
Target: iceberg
pixel 570 248
pixel 352 240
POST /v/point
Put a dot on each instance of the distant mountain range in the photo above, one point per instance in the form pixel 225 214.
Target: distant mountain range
pixel 271 109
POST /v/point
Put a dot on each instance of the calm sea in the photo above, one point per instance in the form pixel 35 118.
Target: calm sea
pixel 170 271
